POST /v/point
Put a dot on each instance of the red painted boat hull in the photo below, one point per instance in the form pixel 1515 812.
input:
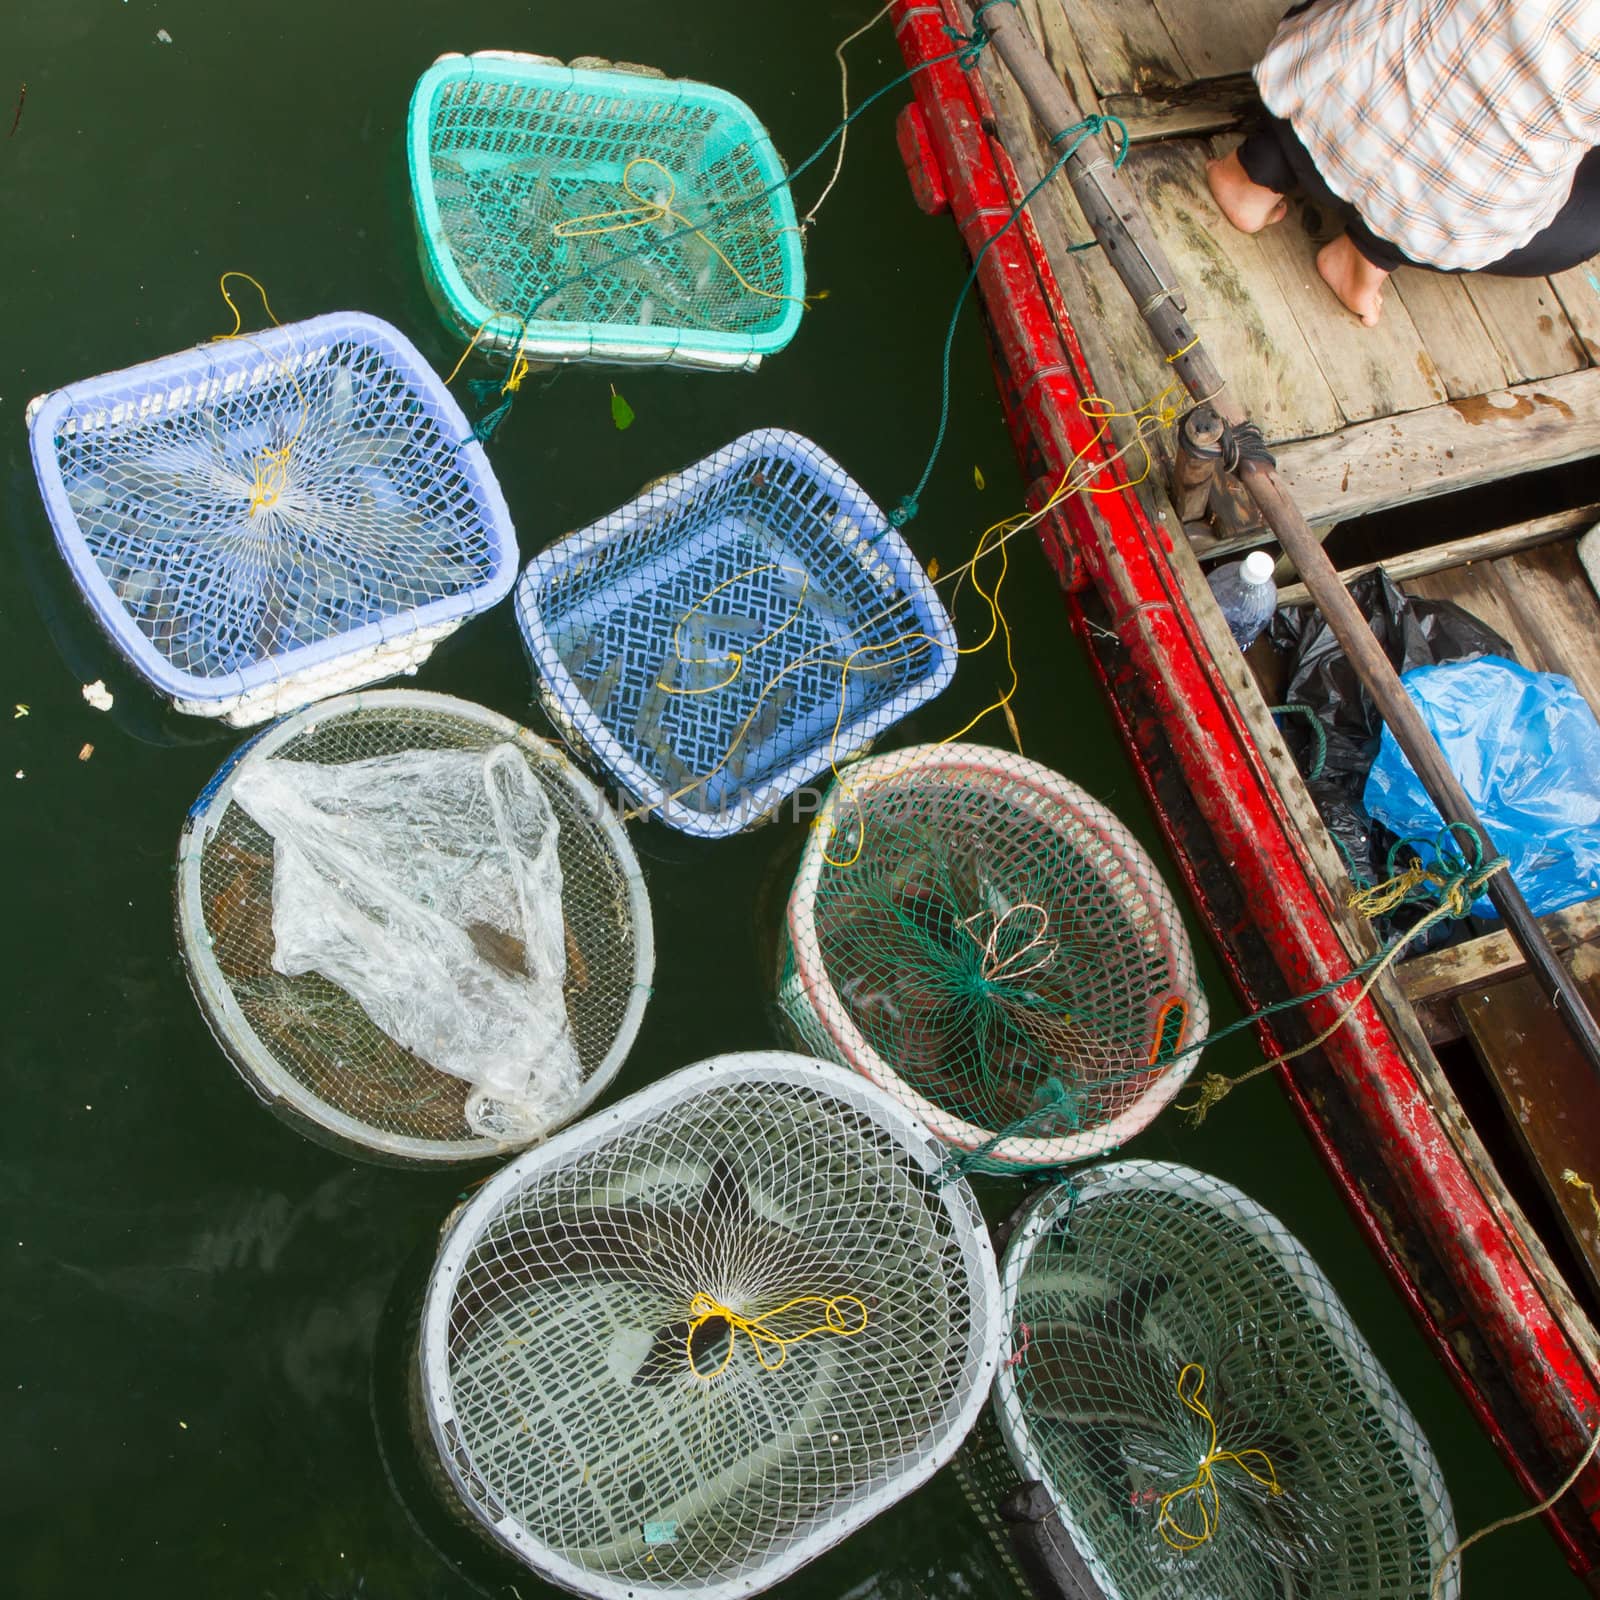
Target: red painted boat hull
pixel 1444 1237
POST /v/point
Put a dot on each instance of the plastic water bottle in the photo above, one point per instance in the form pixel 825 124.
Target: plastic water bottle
pixel 1247 595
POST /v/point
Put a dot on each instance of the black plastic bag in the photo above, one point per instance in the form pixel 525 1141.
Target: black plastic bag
pixel 1414 632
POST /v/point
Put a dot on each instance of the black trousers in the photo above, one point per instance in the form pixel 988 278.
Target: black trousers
pixel 1275 158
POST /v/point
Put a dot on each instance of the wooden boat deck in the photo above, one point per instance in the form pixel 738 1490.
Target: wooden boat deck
pixel 1466 379
pixel 1542 599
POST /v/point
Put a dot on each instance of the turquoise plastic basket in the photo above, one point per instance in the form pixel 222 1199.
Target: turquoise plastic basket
pixel 517 177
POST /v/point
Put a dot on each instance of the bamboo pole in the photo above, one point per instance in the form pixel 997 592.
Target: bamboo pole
pixel 1113 212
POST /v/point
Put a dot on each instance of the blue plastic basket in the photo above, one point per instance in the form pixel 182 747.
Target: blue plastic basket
pixel 695 640
pixel 267 519
pixel 527 179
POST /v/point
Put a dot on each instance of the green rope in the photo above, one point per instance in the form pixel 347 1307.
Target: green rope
pixel 1465 871
pixel 1318 734
pixel 1092 124
pixel 729 209
pixel 974 42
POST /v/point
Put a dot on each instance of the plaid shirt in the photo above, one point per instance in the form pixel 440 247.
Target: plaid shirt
pixel 1452 126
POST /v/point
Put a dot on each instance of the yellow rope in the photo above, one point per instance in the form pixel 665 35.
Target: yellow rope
pixel 1456 895
pixel 1202 1488
pixel 519 367
pixel 645 211
pixel 770 1346
pixel 271 465
pixel 1151 418
pixel 1381 898
pixel 238 321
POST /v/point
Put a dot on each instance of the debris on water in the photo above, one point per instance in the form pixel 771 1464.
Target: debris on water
pixel 86 752
pixel 163 36
pixel 98 695
pixel 20 772
pixel 977 478
pixel 18 710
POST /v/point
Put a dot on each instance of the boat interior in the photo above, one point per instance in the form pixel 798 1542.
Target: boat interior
pixel 1467 381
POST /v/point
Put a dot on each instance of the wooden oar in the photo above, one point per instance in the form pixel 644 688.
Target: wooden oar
pixel 1114 213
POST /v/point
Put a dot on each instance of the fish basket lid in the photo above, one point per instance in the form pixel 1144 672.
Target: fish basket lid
pixel 270 516
pixel 306 1027
pixel 697 1338
pixel 990 944
pixel 578 213
pixel 1182 1379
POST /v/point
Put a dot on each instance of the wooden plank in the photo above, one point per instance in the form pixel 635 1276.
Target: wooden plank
pixel 1547 1090
pixel 1458 552
pixel 1467 360
pixel 1122 355
pixel 1555 607
pixel 1479 590
pixel 1049 24
pixel 1214 106
pixel 1493 957
pixel 1221 35
pixel 1385 462
pixel 1373 372
pixel 1578 290
pixel 1235 303
pixel 1525 319
pixel 1125 44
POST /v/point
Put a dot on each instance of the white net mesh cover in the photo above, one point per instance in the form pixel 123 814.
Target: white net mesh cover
pixel 693 1341
pixel 983 939
pixel 414 926
pixel 1143 1283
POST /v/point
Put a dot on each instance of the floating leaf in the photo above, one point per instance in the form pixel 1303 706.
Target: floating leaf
pixel 1011 723
pixel 621 411
pixel 977 477
pixel 933 568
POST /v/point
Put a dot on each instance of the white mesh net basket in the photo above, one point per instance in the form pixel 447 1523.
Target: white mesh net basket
pixel 694 1340
pixel 1184 1383
pixel 986 941
pixel 373 1049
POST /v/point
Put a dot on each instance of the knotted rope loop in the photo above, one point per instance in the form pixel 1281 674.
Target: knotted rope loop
pixel 1240 442
pixel 992 966
pixel 1201 1490
pixel 770 1346
pixel 973 44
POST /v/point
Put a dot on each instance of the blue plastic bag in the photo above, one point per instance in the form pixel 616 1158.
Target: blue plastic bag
pixel 1526 747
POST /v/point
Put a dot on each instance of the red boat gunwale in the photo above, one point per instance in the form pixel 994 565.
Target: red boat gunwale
pixel 1109 543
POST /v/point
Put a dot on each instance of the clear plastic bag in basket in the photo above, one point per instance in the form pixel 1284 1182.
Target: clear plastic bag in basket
pixel 428 887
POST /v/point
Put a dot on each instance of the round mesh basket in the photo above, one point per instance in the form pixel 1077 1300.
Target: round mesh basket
pixel 696 1339
pixel 983 939
pixel 304 1043
pixel 1184 1383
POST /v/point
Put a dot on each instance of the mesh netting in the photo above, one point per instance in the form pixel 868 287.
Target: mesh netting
pixel 602 215
pixel 695 1340
pixel 1185 1383
pixel 267 518
pixel 714 642
pixel 304 1042
pixel 986 941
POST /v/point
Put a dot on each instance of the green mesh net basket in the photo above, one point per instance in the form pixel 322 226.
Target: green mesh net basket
pixel 1183 1382
pixel 572 214
pixel 986 941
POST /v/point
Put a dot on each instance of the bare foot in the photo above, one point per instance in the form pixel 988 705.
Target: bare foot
pixel 1250 207
pixel 1358 284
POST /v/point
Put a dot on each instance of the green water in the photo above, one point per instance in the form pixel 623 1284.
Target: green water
pixel 202 1316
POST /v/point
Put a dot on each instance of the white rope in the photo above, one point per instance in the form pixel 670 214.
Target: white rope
pixel 844 106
